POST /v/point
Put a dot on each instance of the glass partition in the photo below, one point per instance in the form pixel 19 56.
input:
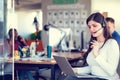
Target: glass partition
pixel 5 67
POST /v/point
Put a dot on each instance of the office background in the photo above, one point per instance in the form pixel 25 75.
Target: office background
pixel 22 19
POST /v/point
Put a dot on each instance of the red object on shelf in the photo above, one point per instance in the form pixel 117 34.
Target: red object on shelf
pixel 39 46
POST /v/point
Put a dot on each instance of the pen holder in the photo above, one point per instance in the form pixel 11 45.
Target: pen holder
pixel 49 51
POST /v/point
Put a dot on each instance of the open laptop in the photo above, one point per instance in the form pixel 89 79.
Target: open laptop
pixel 67 68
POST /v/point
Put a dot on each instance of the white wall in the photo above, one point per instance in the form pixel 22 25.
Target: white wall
pixel 110 6
pixel 23 19
pixel 25 22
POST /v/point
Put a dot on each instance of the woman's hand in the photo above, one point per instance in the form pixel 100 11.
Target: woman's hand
pixel 75 70
pixel 95 46
pixel 63 73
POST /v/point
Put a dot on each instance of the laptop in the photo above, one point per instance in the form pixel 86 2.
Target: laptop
pixel 65 67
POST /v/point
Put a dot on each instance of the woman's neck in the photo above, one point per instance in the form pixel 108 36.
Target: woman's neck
pixel 101 39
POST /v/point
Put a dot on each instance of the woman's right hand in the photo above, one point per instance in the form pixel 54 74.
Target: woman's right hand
pixel 75 70
pixel 63 73
pixel 95 46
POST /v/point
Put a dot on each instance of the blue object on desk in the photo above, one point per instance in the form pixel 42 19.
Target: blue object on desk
pixel 49 50
pixel 20 51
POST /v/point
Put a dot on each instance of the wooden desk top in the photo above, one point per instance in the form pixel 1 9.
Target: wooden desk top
pixel 69 55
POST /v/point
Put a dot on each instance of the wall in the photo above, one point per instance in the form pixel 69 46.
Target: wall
pixel 45 3
pixel 23 22
pixel 110 6
pixel 23 19
pixel 56 20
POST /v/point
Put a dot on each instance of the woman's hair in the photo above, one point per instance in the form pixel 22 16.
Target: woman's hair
pixel 98 17
pixel 10 32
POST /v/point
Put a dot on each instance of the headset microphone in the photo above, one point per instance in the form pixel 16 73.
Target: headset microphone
pixel 97 30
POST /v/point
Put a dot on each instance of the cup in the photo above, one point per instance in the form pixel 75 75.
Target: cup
pixel 16 54
pixel 49 51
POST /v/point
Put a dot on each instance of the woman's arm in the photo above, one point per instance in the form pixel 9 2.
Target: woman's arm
pixel 110 63
pixel 22 40
pixel 8 46
pixel 82 70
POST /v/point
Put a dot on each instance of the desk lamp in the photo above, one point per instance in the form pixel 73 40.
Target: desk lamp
pixel 57 43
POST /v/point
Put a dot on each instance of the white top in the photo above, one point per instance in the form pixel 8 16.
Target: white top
pixel 105 64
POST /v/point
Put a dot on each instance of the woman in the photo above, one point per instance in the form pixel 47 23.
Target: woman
pixel 18 42
pixel 103 54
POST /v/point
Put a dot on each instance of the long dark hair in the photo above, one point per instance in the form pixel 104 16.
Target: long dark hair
pixel 97 17
pixel 10 32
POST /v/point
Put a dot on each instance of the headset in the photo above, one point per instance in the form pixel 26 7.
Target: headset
pixel 103 22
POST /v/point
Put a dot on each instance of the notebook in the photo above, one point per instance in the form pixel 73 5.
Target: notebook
pixel 67 68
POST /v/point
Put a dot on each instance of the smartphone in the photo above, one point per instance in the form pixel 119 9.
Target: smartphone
pixel 93 38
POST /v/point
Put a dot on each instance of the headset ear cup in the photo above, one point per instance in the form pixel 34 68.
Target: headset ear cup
pixel 103 24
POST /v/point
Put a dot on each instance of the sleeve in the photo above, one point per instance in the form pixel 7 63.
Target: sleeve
pixel 110 63
pixel 32 36
pixel 83 70
pixel 7 47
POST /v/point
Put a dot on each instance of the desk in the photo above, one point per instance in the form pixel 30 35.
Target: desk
pixel 49 63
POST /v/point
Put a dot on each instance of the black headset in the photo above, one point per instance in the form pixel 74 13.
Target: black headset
pixel 103 23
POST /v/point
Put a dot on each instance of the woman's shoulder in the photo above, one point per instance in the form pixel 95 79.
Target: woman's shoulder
pixel 7 40
pixel 111 41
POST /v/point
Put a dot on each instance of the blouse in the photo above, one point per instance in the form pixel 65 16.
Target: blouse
pixel 105 64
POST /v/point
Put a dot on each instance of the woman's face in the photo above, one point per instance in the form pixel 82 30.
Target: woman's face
pixel 15 34
pixel 95 28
